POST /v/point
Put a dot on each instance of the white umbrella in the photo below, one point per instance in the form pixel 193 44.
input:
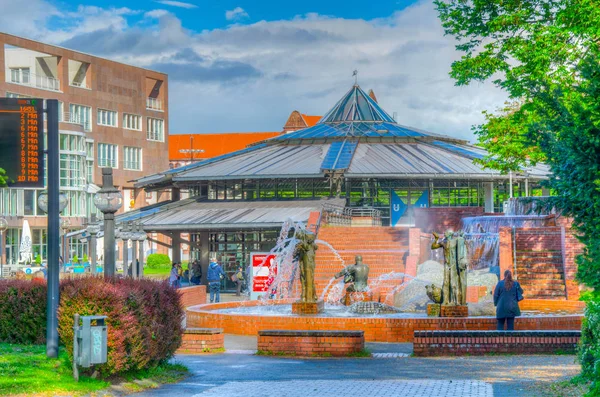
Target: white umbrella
pixel 25 248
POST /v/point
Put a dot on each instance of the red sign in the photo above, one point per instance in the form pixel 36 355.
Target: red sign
pixel 264 270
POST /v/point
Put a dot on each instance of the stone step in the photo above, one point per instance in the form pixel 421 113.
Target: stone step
pixel 540 266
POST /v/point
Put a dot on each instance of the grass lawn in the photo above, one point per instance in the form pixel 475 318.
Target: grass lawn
pixel 25 370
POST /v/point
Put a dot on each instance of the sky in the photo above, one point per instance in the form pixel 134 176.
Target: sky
pixel 245 65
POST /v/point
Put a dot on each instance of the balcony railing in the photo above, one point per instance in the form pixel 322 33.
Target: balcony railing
pixel 349 216
pixel 79 84
pixel 35 80
pixel 102 162
pixel 153 104
pixel 75 118
pixel 132 165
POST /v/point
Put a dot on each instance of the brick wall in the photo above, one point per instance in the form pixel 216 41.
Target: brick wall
pixel 440 219
pixel 201 340
pixel 459 343
pixel 384 249
pixel 311 343
pixel 376 329
pixel 539 260
pixel 192 296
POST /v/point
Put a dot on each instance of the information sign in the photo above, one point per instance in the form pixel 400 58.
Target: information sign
pixel 264 270
pixel 22 141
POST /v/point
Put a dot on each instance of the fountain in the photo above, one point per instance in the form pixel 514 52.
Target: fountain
pixel 392 319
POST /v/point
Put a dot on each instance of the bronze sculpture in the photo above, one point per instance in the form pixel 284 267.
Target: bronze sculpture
pixel 305 252
pixel 454 287
pixel 356 274
pixel 434 293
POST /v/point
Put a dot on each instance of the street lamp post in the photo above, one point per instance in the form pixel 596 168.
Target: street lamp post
pixel 93 229
pixel 65 224
pixel 141 238
pixel 135 236
pixel 53 203
pixel 125 235
pixel 3 227
pixel 108 200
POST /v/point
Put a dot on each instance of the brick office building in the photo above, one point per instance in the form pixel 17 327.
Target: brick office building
pixel 111 115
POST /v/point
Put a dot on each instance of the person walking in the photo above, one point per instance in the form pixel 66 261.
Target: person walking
pixel 196 273
pixel 174 275
pixel 507 295
pixel 238 278
pixel 214 276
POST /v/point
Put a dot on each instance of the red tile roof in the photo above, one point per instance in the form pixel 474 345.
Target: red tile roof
pixel 311 120
pixel 213 144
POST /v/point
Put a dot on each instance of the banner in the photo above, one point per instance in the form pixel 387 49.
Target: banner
pixel 423 201
pixel 398 208
pixel 264 270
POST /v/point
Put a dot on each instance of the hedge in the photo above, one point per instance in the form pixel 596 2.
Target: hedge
pixel 144 317
pixel 23 311
pixel 156 261
pixel 589 346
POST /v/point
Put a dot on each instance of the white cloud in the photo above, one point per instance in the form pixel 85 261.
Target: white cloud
pixel 236 14
pixel 179 4
pixel 250 77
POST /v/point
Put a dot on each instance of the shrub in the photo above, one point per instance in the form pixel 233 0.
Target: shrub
pixel 156 261
pixel 38 259
pixel 85 258
pixel 75 259
pixel 144 319
pixel 23 311
pixel 589 346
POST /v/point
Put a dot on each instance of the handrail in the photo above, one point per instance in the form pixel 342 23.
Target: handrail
pixel 343 216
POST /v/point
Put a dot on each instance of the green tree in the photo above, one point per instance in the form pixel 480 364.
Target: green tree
pixel 518 44
pixel 3 178
pixel 544 54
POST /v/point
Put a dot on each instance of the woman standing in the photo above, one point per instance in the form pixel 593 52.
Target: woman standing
pixel 507 295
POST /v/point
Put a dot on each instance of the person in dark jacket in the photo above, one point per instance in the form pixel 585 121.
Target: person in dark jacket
pixel 507 295
pixel 214 276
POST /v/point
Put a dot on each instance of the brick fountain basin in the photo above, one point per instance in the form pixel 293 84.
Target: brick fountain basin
pixel 245 318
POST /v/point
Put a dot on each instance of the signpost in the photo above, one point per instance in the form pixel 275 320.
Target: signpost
pixel 22 141
pixel 264 270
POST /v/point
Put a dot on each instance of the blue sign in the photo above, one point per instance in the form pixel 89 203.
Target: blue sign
pixel 423 201
pixel 398 208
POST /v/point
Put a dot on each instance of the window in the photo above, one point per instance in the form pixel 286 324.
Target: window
pixel 89 150
pixel 132 158
pixel 80 114
pixel 107 117
pixel 132 122
pixel 107 155
pixel 20 75
pixel 13 95
pixel 72 171
pixel 155 131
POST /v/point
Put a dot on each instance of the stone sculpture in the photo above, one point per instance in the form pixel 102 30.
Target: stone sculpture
pixel 356 275
pixel 454 287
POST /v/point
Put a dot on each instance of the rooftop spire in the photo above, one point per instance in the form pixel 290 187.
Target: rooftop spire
pixel 356 105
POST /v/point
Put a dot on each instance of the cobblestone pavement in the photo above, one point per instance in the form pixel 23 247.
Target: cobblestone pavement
pixel 249 375
pixel 337 388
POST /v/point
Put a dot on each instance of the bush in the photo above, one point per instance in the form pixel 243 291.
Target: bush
pixel 23 311
pixel 144 319
pixel 589 346
pixel 157 261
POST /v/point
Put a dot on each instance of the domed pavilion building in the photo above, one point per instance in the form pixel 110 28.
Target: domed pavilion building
pixel 357 158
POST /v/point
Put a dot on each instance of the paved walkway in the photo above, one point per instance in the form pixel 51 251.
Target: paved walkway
pixel 389 373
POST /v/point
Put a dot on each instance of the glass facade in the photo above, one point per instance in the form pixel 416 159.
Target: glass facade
pixel 233 249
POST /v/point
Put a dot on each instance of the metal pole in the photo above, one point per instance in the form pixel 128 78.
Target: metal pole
pixel 109 245
pixel 75 346
pixel 93 252
pixel 133 256
pixel 140 270
pixel 125 256
pixel 53 229
pixel 2 249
